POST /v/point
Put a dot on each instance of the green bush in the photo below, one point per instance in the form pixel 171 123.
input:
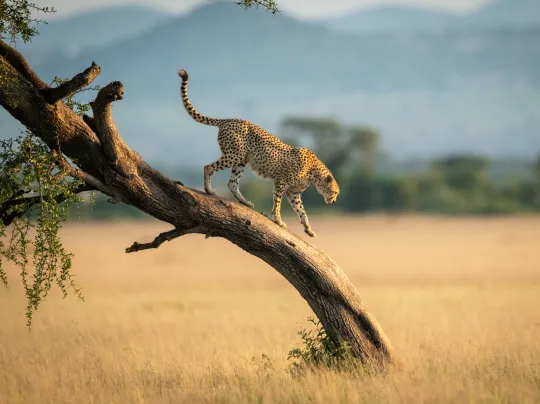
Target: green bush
pixel 319 351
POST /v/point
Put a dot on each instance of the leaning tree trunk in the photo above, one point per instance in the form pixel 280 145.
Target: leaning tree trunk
pixel 108 165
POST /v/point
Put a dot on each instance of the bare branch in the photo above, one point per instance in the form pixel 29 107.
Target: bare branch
pixel 81 80
pixel 162 237
pixel 87 178
pixel 7 218
pixel 15 59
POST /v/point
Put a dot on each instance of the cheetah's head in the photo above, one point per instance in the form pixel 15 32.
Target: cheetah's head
pixel 328 188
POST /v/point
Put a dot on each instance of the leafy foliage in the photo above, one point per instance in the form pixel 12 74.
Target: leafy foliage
pixel 80 108
pixel 38 196
pixel 269 5
pixel 31 188
pixel 17 20
pixel 319 351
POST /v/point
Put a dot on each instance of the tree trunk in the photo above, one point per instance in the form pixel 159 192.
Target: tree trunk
pixel 106 163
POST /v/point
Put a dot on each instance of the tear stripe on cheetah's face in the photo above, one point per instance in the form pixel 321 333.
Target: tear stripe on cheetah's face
pixel 292 169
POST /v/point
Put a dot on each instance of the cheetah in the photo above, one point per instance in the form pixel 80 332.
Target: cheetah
pixel 292 169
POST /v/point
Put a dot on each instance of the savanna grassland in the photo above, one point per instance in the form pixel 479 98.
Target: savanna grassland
pixel 202 321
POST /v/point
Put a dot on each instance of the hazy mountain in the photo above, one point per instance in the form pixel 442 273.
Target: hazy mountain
pixel 503 14
pixel 94 29
pixel 500 14
pixel 391 19
pixel 429 94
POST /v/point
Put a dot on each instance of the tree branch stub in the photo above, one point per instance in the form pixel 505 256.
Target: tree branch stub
pixel 81 80
pixel 119 154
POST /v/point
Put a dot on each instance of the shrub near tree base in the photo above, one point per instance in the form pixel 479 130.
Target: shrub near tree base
pixel 320 351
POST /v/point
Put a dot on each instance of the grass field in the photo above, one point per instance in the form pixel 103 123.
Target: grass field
pixel 190 322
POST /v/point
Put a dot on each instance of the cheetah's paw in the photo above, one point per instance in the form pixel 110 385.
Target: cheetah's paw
pixel 248 204
pixel 281 224
pixel 309 232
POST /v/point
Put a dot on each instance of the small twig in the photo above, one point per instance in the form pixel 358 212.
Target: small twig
pixel 269 5
pixel 55 177
pixel 210 233
pixel 20 192
pixel 81 80
pixel 9 203
pixel 166 236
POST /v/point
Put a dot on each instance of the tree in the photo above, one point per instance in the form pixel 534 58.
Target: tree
pixel 324 136
pixel 367 139
pixel 463 172
pixel 536 182
pixel 102 161
pixel 349 152
pixel 337 145
pixel 536 168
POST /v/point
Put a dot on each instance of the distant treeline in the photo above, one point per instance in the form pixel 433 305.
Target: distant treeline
pixel 370 182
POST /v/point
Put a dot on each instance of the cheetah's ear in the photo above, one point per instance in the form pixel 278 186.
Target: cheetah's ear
pixel 329 179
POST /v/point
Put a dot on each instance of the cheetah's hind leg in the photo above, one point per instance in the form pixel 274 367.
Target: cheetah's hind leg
pixel 234 184
pixel 276 209
pixel 210 169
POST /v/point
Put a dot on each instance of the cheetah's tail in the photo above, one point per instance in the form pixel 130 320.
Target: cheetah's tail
pixel 206 120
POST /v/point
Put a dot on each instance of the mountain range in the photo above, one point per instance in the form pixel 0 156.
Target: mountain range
pixel 429 92
pixel 90 30
pixel 499 14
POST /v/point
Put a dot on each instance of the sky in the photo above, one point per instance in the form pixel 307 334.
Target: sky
pixel 305 9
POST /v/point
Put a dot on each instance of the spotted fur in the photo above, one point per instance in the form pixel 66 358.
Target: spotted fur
pixel 292 169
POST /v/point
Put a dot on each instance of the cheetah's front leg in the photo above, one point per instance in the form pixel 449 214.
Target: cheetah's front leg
pixel 276 209
pixel 295 201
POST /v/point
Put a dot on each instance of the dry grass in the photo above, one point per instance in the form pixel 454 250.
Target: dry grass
pixel 459 298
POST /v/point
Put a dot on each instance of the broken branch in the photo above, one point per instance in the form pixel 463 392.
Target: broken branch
pixel 119 154
pixel 81 80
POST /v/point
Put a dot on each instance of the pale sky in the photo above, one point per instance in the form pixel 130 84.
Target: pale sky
pixel 307 9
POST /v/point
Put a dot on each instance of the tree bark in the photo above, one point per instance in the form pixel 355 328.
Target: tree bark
pixel 107 164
